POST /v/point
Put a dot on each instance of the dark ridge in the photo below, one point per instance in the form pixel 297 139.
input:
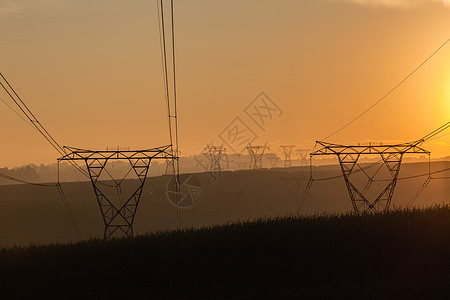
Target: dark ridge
pixel 404 252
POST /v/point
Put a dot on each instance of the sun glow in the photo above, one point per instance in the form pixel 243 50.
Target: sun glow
pixel 446 96
pixel 394 3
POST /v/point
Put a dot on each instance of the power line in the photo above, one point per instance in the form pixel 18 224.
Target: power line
pixel 351 188
pixel 34 122
pixel 388 93
pixel 165 68
pixel 69 211
pixel 424 139
pixel 2 175
pixel 172 110
pixel 174 78
pixel 435 132
pixel 400 178
pixel 61 193
pixel 30 116
pixel 19 115
pixel 177 175
pixel 421 189
pixel 425 174
pixel 438 137
pixel 41 129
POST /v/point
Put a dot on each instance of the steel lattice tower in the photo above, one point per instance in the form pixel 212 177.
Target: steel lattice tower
pixel 287 151
pixel 391 156
pixel 256 154
pixel 215 155
pixel 118 212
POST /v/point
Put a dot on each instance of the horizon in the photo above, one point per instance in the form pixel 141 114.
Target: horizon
pixel 136 119
pixel 92 73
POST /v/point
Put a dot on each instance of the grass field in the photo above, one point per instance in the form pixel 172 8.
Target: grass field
pixel 397 254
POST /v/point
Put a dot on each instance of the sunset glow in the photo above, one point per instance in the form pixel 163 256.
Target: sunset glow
pixel 214 149
pixel 92 72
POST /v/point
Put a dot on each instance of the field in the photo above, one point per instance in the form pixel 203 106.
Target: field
pixel 34 214
pixel 400 253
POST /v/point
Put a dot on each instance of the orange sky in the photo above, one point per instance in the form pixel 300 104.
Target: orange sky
pixel 91 72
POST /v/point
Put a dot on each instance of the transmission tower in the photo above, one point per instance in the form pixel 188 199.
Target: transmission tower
pixel 391 157
pixel 118 212
pixel 215 155
pixel 287 150
pixel 256 154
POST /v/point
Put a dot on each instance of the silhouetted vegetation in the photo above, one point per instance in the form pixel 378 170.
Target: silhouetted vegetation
pixel 399 253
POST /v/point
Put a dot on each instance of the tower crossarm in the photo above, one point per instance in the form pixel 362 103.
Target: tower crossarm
pixel 371 148
pixel 162 152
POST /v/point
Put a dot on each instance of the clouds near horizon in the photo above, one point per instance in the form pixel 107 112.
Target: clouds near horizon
pixel 21 7
pixel 397 3
pixel 10 8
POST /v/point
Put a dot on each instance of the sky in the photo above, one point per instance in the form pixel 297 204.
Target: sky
pixel 91 72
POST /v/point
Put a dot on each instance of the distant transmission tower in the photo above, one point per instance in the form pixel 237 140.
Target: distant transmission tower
pixel 256 154
pixel 215 154
pixel 287 150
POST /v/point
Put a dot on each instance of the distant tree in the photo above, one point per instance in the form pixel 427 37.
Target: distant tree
pixel 27 173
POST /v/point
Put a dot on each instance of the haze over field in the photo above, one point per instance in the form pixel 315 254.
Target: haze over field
pixel 99 75
pixel 224 149
pixel 35 214
pixel 91 72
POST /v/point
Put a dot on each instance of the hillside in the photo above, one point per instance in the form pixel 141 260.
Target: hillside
pixel 35 214
pixel 401 253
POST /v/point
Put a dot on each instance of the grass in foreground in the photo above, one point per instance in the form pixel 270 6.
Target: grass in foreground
pixel 397 253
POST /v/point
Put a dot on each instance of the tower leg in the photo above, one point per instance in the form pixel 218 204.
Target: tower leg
pixel 118 216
